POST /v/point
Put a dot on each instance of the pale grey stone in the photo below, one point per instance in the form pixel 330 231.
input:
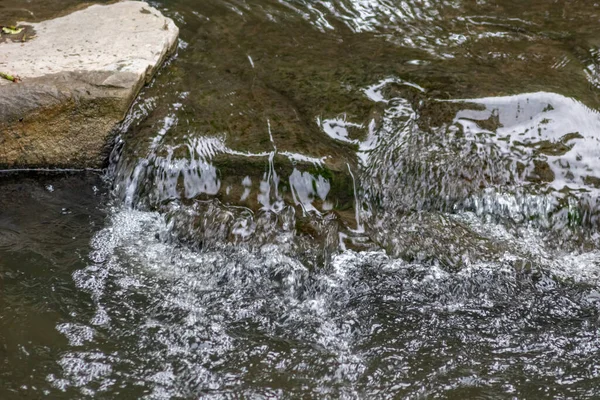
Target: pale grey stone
pixel 79 75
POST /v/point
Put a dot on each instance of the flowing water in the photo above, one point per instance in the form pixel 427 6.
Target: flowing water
pixel 325 199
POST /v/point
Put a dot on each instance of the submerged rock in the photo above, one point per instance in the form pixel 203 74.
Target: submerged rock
pixel 80 73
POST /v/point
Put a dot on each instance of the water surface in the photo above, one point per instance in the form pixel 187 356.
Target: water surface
pixel 332 199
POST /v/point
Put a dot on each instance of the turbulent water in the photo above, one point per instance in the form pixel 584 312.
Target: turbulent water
pixel 326 199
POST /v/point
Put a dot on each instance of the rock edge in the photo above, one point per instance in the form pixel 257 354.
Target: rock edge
pixel 80 74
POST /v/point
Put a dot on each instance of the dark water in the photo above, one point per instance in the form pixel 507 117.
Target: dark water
pixel 333 199
pixel 46 225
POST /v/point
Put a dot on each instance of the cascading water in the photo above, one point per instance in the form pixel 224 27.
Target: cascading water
pixel 344 199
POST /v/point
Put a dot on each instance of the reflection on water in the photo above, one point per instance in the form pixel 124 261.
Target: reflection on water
pixel 342 199
pixel 540 129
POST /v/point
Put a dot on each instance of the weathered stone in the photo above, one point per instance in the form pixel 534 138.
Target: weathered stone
pixel 80 73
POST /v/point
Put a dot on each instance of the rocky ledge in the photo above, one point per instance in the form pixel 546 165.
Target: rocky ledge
pixel 79 75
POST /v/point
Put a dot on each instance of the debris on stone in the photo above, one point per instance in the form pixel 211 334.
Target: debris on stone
pixel 11 30
pixel 9 77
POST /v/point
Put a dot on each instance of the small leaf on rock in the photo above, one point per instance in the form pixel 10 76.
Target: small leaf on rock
pixel 12 78
pixel 11 30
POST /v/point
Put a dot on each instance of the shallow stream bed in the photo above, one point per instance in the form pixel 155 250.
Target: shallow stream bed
pixel 325 199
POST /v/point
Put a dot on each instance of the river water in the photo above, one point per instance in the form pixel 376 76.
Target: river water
pixel 325 199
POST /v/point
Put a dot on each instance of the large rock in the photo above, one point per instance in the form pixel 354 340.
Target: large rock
pixel 79 75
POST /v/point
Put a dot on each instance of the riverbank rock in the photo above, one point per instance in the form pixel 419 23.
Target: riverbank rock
pixel 79 75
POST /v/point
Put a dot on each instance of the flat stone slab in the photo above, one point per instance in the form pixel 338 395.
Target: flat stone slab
pixel 79 75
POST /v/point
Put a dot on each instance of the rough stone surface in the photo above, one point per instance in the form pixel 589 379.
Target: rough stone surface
pixel 80 73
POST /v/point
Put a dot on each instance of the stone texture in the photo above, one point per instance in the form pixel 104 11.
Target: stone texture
pixel 80 74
